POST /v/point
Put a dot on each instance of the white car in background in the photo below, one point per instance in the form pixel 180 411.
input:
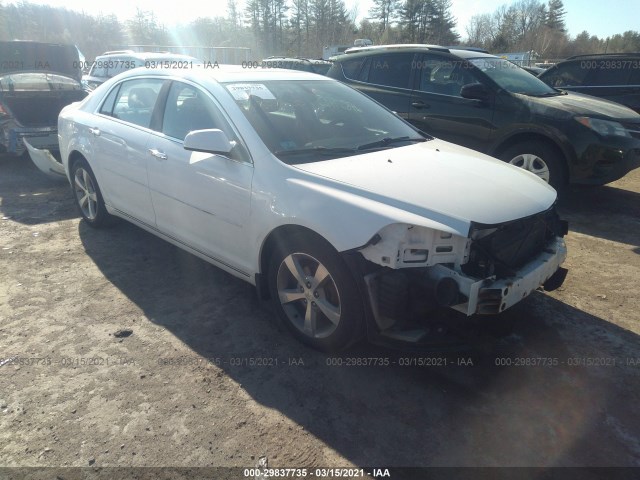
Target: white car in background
pixel 348 218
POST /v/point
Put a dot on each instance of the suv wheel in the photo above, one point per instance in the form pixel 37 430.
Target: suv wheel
pixel 539 159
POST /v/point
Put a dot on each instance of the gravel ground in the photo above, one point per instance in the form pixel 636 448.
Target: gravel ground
pixel 125 351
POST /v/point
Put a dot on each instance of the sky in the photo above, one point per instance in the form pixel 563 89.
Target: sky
pixel 598 17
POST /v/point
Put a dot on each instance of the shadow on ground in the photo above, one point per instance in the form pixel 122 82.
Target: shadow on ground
pixel 31 197
pixel 522 402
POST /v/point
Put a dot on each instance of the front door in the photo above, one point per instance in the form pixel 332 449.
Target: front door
pixel 200 199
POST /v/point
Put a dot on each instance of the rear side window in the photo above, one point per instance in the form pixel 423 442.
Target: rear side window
pixel 392 70
pixel 570 74
pixel 136 100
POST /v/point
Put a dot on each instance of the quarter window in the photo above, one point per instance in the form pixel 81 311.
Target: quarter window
pixel 351 68
pixel 107 105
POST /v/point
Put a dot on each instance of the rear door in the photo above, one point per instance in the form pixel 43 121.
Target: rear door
pixel 119 135
pixel 386 78
pixel 437 107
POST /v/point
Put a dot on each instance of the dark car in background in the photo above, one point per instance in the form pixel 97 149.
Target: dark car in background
pixel 36 81
pixel 312 65
pixel 110 64
pixel 612 76
pixel 535 71
pixel 491 105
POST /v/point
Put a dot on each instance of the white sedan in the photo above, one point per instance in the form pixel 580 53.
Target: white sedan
pixel 349 219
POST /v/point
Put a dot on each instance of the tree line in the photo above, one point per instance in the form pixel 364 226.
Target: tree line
pixel 531 25
pixel 304 27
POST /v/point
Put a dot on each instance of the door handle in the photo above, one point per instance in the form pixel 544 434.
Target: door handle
pixel 158 154
pixel 95 131
pixel 420 105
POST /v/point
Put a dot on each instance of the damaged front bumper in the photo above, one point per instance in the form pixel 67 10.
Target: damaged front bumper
pixel 402 301
pixel 491 296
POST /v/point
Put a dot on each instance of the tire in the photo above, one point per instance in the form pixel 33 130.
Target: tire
pixel 539 158
pixel 314 294
pixel 88 196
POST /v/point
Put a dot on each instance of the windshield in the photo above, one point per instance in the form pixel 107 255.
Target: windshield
pixel 310 120
pixel 512 78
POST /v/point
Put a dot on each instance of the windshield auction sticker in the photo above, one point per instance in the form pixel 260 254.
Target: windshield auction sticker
pixel 242 91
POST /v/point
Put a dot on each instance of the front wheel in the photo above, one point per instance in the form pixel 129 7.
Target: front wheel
pixel 88 196
pixel 315 294
pixel 539 159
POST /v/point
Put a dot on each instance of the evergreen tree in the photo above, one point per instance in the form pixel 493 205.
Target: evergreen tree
pixel 555 16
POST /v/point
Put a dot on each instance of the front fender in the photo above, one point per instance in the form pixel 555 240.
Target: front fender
pixel 348 220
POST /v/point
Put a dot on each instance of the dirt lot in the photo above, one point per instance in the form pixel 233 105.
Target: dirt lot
pixel 153 399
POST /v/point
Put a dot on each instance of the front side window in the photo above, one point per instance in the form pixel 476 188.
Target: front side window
pixel 571 74
pixel 442 75
pixel 189 108
pixel 312 120
pixel 136 100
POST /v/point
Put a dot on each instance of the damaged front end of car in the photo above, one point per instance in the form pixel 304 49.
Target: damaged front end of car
pixel 409 272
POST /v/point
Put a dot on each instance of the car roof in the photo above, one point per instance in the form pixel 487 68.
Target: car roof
pixel 462 52
pixel 299 59
pixel 604 55
pixel 226 73
pixel 146 55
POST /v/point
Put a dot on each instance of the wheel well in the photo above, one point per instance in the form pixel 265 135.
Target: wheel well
pixel 527 137
pixel 277 236
pixel 74 157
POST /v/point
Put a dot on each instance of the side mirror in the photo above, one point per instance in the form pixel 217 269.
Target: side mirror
pixel 210 141
pixel 475 91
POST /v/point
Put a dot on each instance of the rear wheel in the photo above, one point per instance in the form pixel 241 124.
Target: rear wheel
pixel 315 294
pixel 88 196
pixel 538 158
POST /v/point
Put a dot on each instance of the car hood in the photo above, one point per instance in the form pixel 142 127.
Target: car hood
pixel 580 104
pixel 441 181
pixel 23 57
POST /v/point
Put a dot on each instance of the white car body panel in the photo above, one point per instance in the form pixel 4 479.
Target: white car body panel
pixel 403 177
pixel 203 199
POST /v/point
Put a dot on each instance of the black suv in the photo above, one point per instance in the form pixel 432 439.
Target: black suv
pixel 312 65
pixel 612 76
pixel 491 105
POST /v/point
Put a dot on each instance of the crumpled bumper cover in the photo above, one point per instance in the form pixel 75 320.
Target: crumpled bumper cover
pixel 491 296
pixel 45 161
